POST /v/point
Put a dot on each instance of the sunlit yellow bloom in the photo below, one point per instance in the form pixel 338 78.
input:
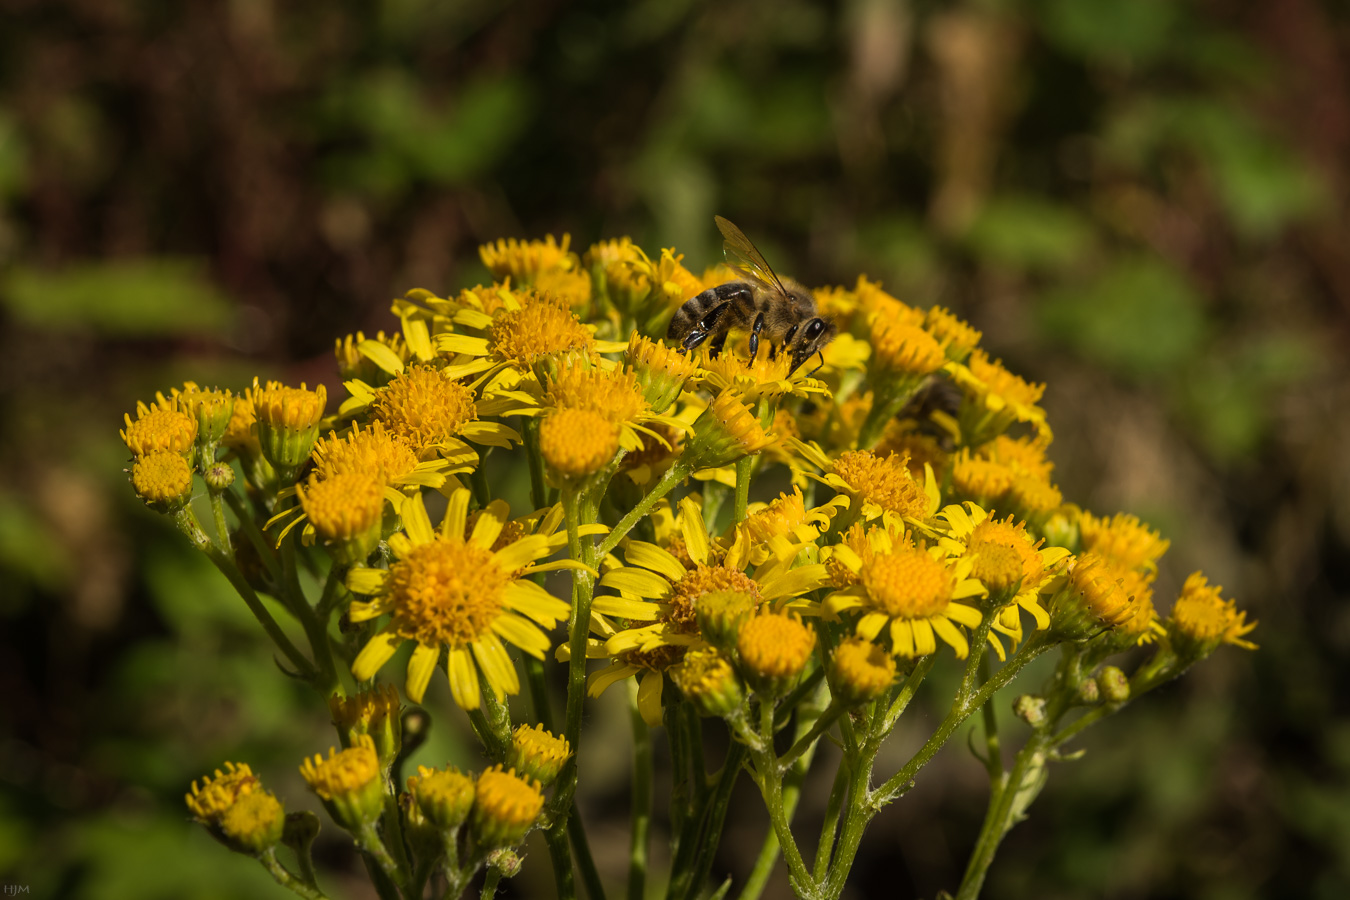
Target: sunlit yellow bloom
pixel 995 398
pixel 241 435
pixel 1123 539
pixel 860 670
pixel 783 525
pixel 505 806
pixel 573 285
pixel 725 432
pixel 524 260
pixel 1201 620
pixel 957 337
pixel 287 420
pixel 216 794
pixel 372 360
pixel 448 592
pixel 1005 558
pixel 839 303
pixel 706 678
pixel 544 326
pixel 159 428
pixel 537 753
pixel 754 379
pixel 1033 497
pixel 345 511
pixel 981 480
pixel 577 442
pixel 1093 599
pixel 877 305
pixel 903 349
pixel 774 649
pixel 1024 456
pixel 374 712
pixel 433 414
pixel 254 823
pixel 661 371
pixel 444 796
pixel 376 449
pixel 881 487
pixel 162 479
pixel 211 407
pixel 348 782
pixel 656 585
pixel 912 592
pixel 917 448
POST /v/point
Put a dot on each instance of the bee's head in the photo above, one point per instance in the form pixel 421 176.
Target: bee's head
pixel 813 335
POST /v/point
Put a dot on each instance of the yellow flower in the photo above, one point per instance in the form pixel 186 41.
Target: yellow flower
pixel 211 407
pixel 572 285
pixel 345 511
pixel 775 648
pixel 657 586
pixel 1096 598
pixel 505 806
pixel 348 782
pixel 537 753
pixel 162 479
pixel 983 481
pixel 287 420
pixel 446 592
pixel 879 487
pixel 705 677
pixel 544 326
pixel 994 399
pixel 875 304
pixel 434 414
pixel 757 378
pixel 957 337
pixel 374 712
pixel 577 442
pixel 1007 562
pixel 783 526
pixel 209 802
pixel 159 428
pixel 610 393
pixel 1123 539
pixel 372 360
pixel 254 823
pixel 375 449
pixel 1201 620
pixel 444 796
pixel 661 371
pixel 725 432
pixel 904 350
pixel 912 591
pixel 860 671
pixel 524 260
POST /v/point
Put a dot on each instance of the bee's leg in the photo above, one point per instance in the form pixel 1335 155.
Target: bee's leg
pixel 715 348
pixel 822 362
pixel 700 332
pixel 754 337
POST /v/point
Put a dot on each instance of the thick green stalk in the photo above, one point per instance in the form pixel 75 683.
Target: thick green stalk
pixel 830 827
pixel 687 879
pixel 674 475
pixel 744 468
pixel 1020 784
pixel 642 800
pixel 556 839
pixel 283 877
pixel 187 523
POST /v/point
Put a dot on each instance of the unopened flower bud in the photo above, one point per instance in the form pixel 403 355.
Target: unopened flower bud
pixel 1030 709
pixel 721 614
pixel 219 477
pixel 348 783
pixel 535 753
pixel 774 649
pixel 505 806
pixel 374 713
pixel 707 679
pixel 1113 684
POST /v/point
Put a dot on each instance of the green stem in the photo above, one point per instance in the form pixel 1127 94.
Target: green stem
pixel 266 552
pixel 693 860
pixel 674 475
pixel 744 467
pixel 538 688
pixel 556 838
pixel 907 691
pixel 808 740
pixel 642 800
pixel 993 752
pixel 490 881
pixel 222 525
pixel 187 523
pixel 374 849
pixel 1021 783
pixel 830 827
pixel 530 434
pixel 581 849
pixel 286 879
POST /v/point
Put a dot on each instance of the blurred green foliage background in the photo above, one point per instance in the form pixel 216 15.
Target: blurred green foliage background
pixel 1144 203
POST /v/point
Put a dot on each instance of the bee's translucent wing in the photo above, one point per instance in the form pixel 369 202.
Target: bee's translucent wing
pixel 742 255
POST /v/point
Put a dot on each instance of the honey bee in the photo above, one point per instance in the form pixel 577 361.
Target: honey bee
pixel 778 310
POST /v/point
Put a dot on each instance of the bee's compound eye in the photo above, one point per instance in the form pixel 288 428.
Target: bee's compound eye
pixel 813 329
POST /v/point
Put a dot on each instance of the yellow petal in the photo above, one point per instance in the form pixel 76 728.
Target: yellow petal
pixel 497 666
pixel 649 697
pixel 489 524
pixel 375 654
pixel 416 524
pixel 366 581
pixel 523 633
pixel 695 530
pixel 641 582
pixel 924 641
pixel 456 513
pixel 951 634
pixel 420 669
pixel 650 556
pixel 463 678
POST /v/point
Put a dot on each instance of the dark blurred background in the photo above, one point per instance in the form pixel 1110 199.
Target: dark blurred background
pixel 1141 202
